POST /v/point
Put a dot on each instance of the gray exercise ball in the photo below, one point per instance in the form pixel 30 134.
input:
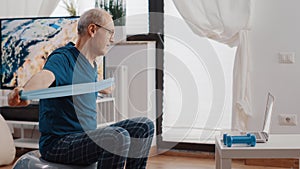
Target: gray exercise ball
pixel 32 160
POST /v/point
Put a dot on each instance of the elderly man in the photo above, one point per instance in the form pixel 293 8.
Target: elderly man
pixel 69 132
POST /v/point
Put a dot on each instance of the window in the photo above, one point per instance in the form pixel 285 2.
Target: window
pixel 137 17
pixel 136 14
pixel 197 83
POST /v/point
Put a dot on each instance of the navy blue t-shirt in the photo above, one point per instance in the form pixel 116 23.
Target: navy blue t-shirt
pixel 72 114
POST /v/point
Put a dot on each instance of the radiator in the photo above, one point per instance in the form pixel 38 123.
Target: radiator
pixel 114 107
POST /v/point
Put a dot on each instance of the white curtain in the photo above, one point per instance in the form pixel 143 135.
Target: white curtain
pixel 26 8
pixel 228 22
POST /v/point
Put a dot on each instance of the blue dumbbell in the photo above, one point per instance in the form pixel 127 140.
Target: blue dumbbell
pixel 248 139
pixel 224 138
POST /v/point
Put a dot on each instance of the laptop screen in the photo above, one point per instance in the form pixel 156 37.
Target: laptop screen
pixel 268 113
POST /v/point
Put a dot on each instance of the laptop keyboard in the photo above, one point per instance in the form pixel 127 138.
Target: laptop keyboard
pixel 266 135
pixel 257 135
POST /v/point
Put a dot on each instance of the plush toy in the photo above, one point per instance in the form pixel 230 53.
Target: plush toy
pixel 7 146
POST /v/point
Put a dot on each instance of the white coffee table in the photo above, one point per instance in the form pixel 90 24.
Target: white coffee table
pixel 278 146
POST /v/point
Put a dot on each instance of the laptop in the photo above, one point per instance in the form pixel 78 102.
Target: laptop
pixel 263 136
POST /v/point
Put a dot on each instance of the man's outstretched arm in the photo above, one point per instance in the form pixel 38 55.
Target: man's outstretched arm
pixel 41 80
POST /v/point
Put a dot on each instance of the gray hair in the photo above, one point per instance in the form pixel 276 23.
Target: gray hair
pixel 91 16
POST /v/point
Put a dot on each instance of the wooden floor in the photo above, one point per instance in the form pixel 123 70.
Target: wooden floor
pixel 179 162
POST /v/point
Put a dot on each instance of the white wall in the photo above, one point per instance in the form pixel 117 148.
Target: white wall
pixel 276 28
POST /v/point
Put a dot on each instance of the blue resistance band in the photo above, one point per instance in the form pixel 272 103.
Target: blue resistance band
pixel 67 90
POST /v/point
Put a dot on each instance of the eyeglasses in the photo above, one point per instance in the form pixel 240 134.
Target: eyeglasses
pixel 111 32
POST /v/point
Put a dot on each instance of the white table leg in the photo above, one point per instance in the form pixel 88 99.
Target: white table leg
pixel 217 158
pixel 225 163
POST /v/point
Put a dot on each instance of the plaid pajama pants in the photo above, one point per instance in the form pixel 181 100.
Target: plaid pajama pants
pixel 128 140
